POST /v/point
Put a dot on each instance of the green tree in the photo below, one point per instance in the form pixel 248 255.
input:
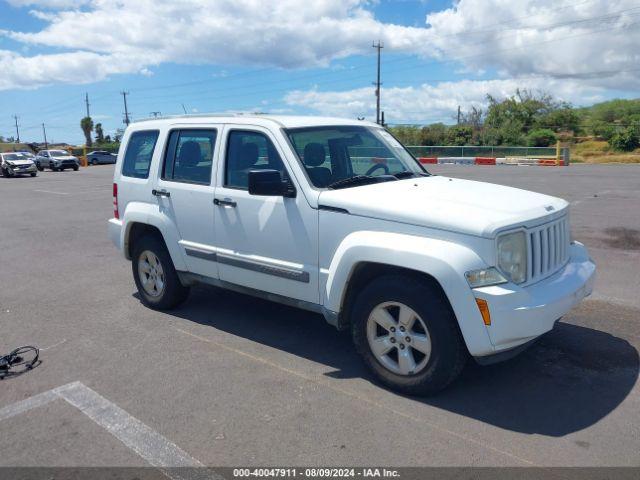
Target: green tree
pixel 86 124
pixel 542 137
pixel 459 135
pixel 434 134
pixel 99 134
pixel 626 140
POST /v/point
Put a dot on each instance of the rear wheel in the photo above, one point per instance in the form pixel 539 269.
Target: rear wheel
pixel 407 334
pixel 155 276
pixel 39 167
pixel 94 161
pixel 33 174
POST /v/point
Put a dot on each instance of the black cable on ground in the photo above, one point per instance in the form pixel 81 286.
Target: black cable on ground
pixel 18 361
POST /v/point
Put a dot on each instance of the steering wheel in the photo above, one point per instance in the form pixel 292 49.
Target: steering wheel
pixel 377 166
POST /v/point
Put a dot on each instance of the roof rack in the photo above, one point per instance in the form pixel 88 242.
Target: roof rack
pixel 199 115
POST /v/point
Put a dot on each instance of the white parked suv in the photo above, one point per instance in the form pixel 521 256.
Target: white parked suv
pixel 336 216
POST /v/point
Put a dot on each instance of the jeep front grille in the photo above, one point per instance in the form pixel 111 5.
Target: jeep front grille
pixel 548 249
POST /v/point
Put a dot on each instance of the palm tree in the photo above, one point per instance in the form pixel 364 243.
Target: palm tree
pixel 86 124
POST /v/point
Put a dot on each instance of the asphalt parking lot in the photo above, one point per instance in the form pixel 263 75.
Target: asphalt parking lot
pixel 227 380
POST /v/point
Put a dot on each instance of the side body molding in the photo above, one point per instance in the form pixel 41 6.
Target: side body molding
pixel 445 261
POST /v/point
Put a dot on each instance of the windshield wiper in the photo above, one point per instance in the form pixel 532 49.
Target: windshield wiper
pixel 408 174
pixel 351 181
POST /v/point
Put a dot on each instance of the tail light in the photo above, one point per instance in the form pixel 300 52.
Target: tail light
pixel 115 201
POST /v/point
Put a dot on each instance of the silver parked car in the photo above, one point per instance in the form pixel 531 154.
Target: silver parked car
pixel 56 160
pixel 99 157
pixel 15 163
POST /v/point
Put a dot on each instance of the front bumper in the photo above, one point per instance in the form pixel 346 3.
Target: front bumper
pixel 519 315
pixel 22 171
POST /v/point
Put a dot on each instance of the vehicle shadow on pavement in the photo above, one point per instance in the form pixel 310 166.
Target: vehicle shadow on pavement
pixel 568 380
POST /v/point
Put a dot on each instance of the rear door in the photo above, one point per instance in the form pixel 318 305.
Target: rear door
pixel 185 193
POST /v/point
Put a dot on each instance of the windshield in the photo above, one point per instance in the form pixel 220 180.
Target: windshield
pixel 58 153
pixel 336 154
pixel 14 156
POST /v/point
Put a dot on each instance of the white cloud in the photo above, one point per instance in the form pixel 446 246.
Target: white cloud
pixel 591 39
pixel 280 34
pixel 433 103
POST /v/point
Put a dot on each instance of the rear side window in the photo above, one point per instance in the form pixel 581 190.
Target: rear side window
pixel 137 158
pixel 189 156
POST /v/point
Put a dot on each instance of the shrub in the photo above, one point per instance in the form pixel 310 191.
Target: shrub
pixel 542 137
pixel 625 140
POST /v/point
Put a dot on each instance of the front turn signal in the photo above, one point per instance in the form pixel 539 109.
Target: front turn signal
pixel 483 306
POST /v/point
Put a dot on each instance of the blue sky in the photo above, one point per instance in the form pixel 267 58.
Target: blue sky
pixel 312 57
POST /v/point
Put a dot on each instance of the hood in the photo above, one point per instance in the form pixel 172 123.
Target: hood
pixel 19 162
pixel 464 206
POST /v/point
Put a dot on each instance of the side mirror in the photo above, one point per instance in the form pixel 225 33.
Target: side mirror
pixel 269 182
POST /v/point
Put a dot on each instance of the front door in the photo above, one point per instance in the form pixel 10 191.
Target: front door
pixel 185 194
pixel 269 243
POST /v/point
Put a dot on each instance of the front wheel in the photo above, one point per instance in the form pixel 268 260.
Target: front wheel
pixel 75 168
pixel 94 161
pixel 39 167
pixel 155 276
pixel 33 174
pixel 407 334
pixel 5 173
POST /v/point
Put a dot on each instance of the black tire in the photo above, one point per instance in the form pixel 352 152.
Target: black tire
pixel 173 293
pixel 94 161
pixel 39 167
pixel 5 173
pixel 448 351
pixel 33 174
pixel 54 169
pixel 75 169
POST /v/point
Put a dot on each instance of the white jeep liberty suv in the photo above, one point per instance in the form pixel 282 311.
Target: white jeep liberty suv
pixel 336 216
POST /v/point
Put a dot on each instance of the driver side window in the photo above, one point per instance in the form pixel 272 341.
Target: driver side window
pixel 249 150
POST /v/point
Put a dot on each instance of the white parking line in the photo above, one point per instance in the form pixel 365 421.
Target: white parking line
pixel 146 442
pixel 49 191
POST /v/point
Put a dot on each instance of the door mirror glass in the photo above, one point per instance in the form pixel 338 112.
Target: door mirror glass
pixel 269 182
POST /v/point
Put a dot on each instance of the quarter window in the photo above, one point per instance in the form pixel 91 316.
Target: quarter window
pixel 189 156
pixel 137 158
pixel 246 151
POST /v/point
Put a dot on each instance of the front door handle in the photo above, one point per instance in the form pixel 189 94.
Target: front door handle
pixel 160 193
pixel 224 203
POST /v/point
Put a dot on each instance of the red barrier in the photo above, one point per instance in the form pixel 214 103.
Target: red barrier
pixel 425 160
pixel 485 161
pixel 548 163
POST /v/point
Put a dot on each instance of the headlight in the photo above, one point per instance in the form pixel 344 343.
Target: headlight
pixel 484 277
pixel 512 256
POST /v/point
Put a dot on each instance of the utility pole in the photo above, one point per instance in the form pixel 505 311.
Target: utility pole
pixel 379 46
pixel 126 112
pixel 15 117
pixel 458 114
pixel 86 101
pixel 44 132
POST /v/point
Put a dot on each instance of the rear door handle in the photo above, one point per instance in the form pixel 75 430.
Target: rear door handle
pixel 160 193
pixel 224 203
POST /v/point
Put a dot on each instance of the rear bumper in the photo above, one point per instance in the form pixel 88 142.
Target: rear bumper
pixel 115 232
pixel 519 315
